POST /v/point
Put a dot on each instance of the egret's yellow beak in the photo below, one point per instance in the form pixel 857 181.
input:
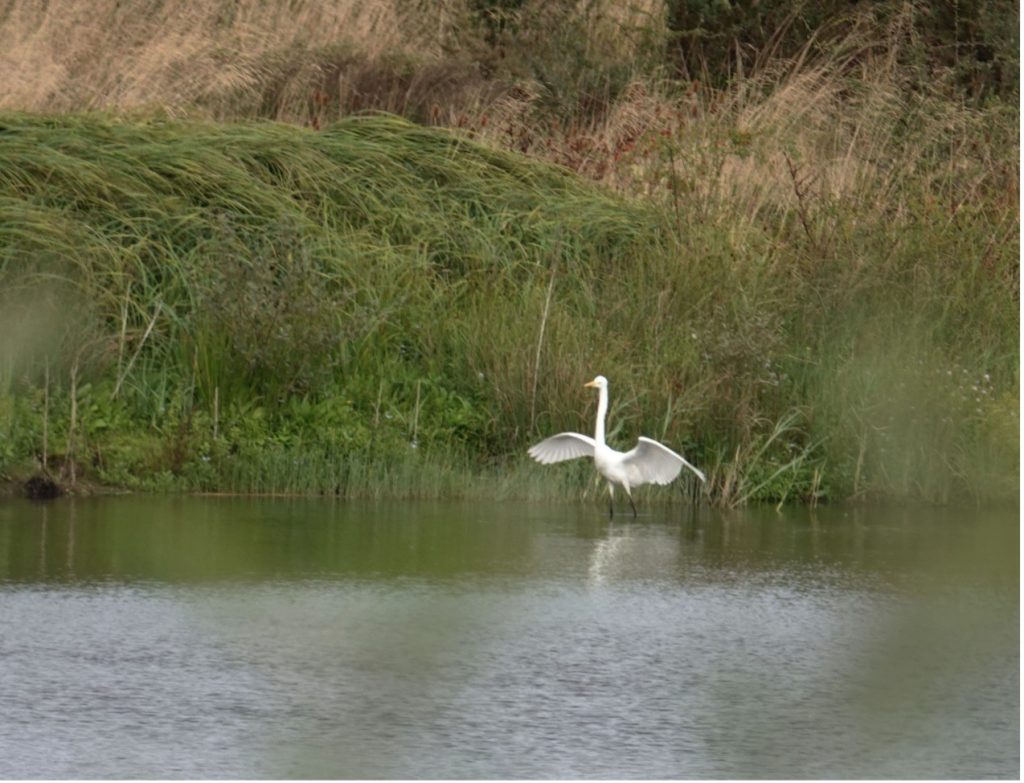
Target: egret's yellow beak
pixel 591 384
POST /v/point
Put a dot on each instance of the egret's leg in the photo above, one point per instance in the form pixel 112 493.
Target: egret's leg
pixel 611 500
pixel 630 496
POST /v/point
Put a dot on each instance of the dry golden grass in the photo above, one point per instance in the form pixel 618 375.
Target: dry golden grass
pixel 173 55
pixel 308 61
pixel 801 137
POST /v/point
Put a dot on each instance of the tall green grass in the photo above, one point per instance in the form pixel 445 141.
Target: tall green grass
pixel 383 309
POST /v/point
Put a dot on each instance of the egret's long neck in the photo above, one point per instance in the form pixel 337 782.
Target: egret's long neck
pixel 602 411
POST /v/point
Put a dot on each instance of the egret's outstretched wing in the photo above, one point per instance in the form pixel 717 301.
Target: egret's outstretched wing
pixel 652 463
pixel 566 445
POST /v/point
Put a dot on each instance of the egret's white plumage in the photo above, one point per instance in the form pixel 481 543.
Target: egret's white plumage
pixel 649 462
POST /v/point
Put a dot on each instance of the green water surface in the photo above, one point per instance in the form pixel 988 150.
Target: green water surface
pixel 215 637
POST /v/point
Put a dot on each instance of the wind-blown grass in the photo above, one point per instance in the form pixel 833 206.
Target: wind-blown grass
pixel 253 275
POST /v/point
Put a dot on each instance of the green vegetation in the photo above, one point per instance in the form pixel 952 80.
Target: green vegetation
pixel 801 271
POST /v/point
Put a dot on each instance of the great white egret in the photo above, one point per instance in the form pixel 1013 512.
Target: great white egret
pixel 649 462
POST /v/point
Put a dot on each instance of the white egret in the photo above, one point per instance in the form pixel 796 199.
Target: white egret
pixel 649 462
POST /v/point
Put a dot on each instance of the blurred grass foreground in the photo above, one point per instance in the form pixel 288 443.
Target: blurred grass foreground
pixel 796 256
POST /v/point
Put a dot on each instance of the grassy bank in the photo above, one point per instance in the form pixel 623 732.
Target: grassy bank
pixel 382 309
pixel 788 234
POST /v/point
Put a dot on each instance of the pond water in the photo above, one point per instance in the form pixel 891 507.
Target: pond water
pixel 248 638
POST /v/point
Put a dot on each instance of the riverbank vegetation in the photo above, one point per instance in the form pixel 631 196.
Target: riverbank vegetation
pixel 796 256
